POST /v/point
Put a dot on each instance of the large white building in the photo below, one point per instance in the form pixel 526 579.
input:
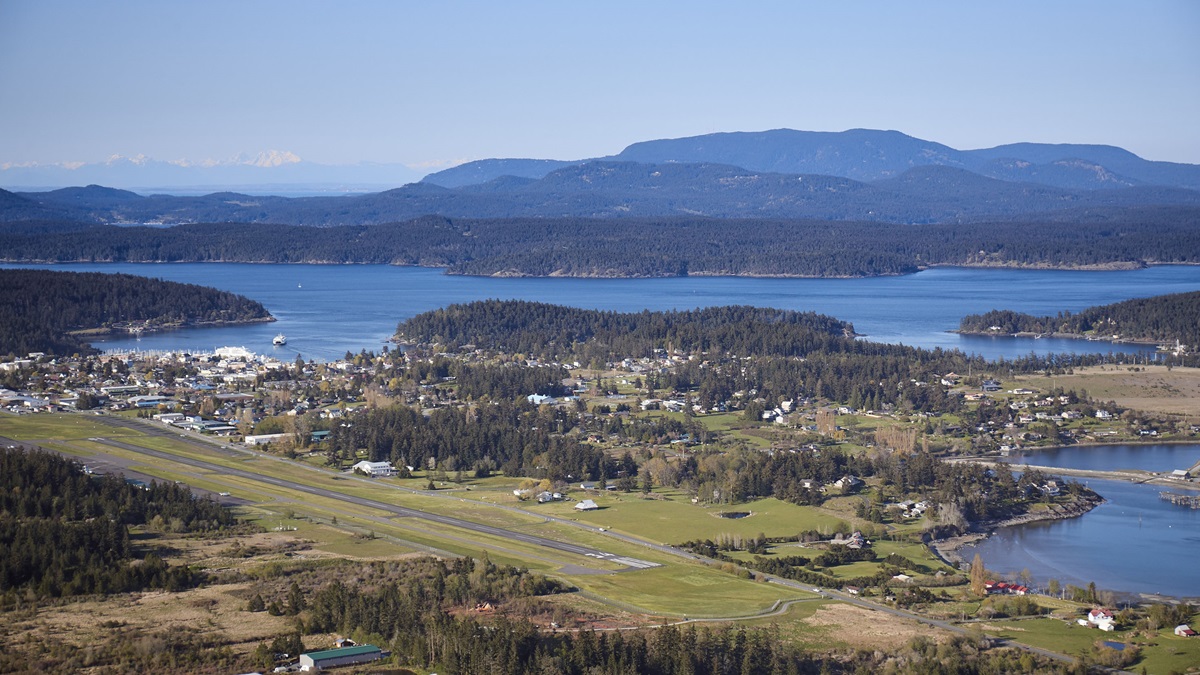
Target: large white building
pixel 374 469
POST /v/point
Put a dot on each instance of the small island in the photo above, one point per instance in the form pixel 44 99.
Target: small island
pixel 55 312
pixel 1171 320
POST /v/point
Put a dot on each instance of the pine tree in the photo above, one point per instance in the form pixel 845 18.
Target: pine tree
pixel 256 604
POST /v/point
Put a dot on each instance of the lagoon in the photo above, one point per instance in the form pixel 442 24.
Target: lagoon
pixel 327 310
pixel 1134 542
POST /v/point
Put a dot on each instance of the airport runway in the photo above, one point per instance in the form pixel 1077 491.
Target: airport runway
pixel 626 562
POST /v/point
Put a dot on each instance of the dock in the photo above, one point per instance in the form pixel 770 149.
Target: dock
pixel 1190 501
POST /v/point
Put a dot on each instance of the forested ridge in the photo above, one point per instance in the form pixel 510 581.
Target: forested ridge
pixel 38 308
pixel 63 532
pixel 615 190
pixel 639 247
pixel 555 331
pixel 1162 318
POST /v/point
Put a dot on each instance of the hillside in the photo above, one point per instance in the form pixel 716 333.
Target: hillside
pixel 39 308
pixel 643 247
pixel 623 189
pixel 1163 318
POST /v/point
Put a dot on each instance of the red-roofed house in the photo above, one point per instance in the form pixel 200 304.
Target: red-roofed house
pixel 1102 618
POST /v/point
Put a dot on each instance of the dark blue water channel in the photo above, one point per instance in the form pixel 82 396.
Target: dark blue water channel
pixel 1134 542
pixel 327 310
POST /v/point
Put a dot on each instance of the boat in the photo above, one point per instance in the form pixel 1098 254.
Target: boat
pixel 280 339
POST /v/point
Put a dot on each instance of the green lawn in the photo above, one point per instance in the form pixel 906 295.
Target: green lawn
pixel 918 553
pixel 57 427
pixel 693 591
pixel 1169 653
pixel 676 520
pixel 1165 653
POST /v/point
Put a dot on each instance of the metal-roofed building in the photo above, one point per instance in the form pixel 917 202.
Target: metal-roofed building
pixel 346 656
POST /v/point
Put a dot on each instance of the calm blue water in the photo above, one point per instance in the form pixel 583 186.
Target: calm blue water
pixel 1134 542
pixel 1114 457
pixel 327 310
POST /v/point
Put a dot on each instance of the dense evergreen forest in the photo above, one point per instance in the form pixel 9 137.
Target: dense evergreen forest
pixel 38 308
pixel 1163 318
pixel 412 613
pixel 639 247
pixel 558 332
pixel 510 436
pixel 63 532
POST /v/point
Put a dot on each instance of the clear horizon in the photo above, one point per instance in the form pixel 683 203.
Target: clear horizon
pixel 434 86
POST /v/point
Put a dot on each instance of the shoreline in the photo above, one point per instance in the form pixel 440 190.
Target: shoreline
pixel 447 268
pixel 947 549
pixel 162 328
pixel 1058 336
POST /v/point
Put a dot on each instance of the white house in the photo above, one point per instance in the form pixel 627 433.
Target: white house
pixel 1184 630
pixel 586 505
pixel 374 469
pixel 1102 618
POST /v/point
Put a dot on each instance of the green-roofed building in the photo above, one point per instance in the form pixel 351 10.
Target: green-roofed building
pixel 346 656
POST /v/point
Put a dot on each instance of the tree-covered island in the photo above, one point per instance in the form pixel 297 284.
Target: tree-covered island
pixel 54 312
pixel 1172 320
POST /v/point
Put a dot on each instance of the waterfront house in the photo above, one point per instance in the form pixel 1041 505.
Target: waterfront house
pixel 1004 588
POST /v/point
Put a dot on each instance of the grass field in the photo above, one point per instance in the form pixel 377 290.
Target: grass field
pixel 675 519
pixel 1149 388
pixel 694 591
pixel 1163 653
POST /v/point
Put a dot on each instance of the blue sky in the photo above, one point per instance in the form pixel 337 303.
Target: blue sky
pixel 433 84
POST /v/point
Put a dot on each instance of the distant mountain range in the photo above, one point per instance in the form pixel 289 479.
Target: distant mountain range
pixel 859 175
pixel 270 172
pixel 867 155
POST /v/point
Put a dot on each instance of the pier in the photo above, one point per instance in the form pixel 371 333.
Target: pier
pixel 1190 501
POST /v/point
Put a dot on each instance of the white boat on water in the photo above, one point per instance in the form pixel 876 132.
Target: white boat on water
pixel 280 339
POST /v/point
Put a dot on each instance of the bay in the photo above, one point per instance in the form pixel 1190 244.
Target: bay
pixel 327 310
pixel 1134 542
